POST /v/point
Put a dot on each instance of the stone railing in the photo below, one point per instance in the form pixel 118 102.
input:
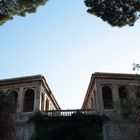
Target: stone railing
pixel 68 112
pixel 26 115
pixel 59 113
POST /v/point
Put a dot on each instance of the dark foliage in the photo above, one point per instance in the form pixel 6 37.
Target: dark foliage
pixel 77 126
pixel 7 114
pixel 115 12
pixel 10 8
pixel 128 109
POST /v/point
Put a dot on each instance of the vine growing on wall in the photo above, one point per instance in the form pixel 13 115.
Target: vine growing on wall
pixel 7 114
pixel 78 126
pixel 128 109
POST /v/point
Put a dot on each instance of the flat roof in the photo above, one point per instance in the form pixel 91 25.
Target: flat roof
pixel 21 79
pixel 103 75
pixel 127 76
pixel 28 79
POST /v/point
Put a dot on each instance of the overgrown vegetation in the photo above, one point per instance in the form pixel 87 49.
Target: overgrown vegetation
pixel 7 114
pixel 128 109
pixel 115 12
pixel 77 126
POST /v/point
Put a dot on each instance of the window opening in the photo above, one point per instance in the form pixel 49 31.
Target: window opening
pixel 29 100
pixel 107 97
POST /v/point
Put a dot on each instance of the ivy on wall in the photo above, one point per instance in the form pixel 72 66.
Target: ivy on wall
pixel 128 109
pixel 78 126
pixel 7 115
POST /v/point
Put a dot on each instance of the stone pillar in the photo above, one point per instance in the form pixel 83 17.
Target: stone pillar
pixel 44 101
pixel 99 97
pixel 115 95
pixel 132 91
pixel 20 100
pixel 37 105
pixel 94 98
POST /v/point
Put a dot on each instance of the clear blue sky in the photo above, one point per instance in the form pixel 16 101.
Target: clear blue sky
pixel 66 45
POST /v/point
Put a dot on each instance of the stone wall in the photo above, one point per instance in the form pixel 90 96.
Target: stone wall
pixel 61 126
pixel 24 131
pixel 121 131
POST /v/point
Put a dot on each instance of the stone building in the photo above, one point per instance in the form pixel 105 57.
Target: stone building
pixel 32 94
pixel 105 92
pixel 105 89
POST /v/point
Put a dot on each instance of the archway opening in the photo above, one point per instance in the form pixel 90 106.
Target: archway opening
pixel 29 100
pixel 107 97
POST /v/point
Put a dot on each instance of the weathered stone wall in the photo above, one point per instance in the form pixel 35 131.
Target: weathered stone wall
pixel 24 131
pixel 81 127
pixel 62 126
pixel 121 131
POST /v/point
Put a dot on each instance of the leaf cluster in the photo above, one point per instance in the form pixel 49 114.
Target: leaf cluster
pixel 115 12
pixel 10 8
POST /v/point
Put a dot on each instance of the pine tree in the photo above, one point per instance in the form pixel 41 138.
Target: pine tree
pixel 115 12
pixel 10 8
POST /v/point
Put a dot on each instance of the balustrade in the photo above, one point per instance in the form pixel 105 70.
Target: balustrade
pixel 55 113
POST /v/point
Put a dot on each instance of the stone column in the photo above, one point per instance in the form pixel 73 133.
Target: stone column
pixel 20 100
pixel 94 97
pixel 132 91
pixel 115 95
pixel 37 105
pixel 99 97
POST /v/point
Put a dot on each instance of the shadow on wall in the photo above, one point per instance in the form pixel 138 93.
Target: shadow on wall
pixel 69 132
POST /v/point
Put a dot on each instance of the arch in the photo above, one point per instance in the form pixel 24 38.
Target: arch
pixel 29 100
pixel 138 97
pixel 47 104
pixel 14 98
pixel 94 98
pixel 107 97
pixel 92 102
pixel 138 92
pixel 123 91
pixel 15 94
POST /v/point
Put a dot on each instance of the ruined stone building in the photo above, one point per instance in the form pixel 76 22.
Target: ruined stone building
pixel 104 90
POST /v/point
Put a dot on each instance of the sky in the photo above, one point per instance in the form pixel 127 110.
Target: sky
pixel 65 44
